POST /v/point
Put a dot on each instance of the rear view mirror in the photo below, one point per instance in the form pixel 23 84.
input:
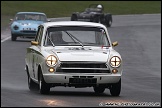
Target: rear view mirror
pixel 48 20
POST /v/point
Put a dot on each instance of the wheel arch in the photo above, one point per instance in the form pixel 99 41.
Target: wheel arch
pixel 39 72
pixel 27 70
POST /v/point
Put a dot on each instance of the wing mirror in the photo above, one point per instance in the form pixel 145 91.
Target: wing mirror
pixel 34 43
pixel 114 43
pixel 48 20
pixel 11 19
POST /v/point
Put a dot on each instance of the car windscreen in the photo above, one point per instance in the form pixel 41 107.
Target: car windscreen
pixel 93 10
pixel 26 16
pixel 75 36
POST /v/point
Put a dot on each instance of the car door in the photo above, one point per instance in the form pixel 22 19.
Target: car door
pixel 37 52
pixel 33 56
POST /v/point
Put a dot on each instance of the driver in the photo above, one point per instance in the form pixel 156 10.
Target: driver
pixel 99 7
pixel 21 17
pixel 56 38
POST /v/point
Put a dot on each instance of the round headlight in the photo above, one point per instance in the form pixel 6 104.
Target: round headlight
pixel 115 61
pixel 51 60
pixel 16 27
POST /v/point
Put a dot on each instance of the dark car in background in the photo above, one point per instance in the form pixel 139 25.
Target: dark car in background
pixel 94 13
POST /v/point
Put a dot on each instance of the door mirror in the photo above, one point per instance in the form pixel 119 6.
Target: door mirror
pixel 34 43
pixel 11 19
pixel 48 20
pixel 114 43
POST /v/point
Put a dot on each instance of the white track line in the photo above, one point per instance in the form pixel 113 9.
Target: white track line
pixel 3 40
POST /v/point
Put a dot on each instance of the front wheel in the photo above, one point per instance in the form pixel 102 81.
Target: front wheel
pixel 44 88
pixel 115 88
pixel 96 19
pixel 13 37
pixel 99 89
pixel 31 84
pixel 74 18
pixel 109 23
pixel 108 20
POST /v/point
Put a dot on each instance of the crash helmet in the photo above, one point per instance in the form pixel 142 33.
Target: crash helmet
pixel 99 6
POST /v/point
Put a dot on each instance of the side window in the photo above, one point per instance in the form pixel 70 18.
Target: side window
pixel 38 37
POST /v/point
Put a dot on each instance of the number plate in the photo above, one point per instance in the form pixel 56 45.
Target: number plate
pixel 82 80
pixel 29 29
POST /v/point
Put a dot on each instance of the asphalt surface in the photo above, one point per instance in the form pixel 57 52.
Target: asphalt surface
pixel 139 38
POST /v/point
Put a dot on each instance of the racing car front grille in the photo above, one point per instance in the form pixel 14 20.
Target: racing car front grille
pixel 27 31
pixel 75 67
pixel 83 65
pixel 82 71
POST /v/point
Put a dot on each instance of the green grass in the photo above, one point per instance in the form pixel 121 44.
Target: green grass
pixel 65 8
pixel 5 20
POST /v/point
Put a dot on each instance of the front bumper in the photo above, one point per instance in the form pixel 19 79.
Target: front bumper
pixel 64 78
pixel 24 33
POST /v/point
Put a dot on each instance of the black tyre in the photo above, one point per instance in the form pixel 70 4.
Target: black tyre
pixel 108 20
pixel 44 88
pixel 13 37
pixel 102 19
pixel 32 85
pixel 99 89
pixel 74 18
pixel 96 19
pixel 115 88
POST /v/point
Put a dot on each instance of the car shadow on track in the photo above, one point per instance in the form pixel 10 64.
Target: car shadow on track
pixel 71 93
pixel 82 94
pixel 67 93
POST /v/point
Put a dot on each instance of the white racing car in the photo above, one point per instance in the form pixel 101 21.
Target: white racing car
pixel 73 54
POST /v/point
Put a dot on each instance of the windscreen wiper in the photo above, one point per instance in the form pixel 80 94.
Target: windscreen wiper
pixel 74 38
pixel 50 40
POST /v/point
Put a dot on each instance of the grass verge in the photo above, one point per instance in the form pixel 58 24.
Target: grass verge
pixel 65 8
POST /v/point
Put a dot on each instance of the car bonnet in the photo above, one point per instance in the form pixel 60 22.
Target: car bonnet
pixel 98 54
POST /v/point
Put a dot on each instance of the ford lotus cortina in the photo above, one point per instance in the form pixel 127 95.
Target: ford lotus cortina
pixel 73 54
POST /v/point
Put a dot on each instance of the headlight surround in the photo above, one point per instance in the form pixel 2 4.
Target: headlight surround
pixel 51 61
pixel 115 61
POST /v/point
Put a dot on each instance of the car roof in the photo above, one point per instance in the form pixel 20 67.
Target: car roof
pixel 73 23
pixel 31 13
